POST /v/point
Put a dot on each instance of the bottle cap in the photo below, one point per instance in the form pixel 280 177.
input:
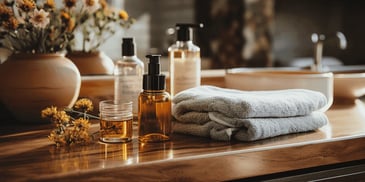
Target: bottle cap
pixel 128 48
pixel 153 80
pixel 185 32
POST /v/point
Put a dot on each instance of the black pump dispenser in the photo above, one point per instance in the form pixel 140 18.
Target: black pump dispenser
pixel 185 32
pixel 153 80
pixel 128 48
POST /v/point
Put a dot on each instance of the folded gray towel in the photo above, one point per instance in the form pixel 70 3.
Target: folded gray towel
pixel 246 115
pixel 245 104
pixel 251 129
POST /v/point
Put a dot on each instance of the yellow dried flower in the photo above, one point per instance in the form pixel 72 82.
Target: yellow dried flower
pixel 84 105
pixel 95 23
pixel 123 15
pixel 81 124
pixel 68 130
pixel 68 137
pixel 65 16
pixel 58 139
pixel 34 24
pixel 61 117
pixel 103 4
pixel 73 136
pixel 5 12
pixel 71 25
pixel 49 112
pixel 91 2
pixel 26 5
pixel 70 22
pixel 50 4
pixel 84 137
pixel 11 24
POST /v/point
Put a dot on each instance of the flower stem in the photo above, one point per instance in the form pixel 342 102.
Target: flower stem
pixel 84 113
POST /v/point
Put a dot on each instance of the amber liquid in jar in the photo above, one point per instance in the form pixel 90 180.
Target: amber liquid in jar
pixel 154 116
pixel 116 130
pixel 115 121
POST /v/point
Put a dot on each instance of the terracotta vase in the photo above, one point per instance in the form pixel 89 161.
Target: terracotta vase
pixel 92 63
pixel 32 82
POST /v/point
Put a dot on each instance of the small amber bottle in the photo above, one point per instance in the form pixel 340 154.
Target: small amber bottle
pixel 154 105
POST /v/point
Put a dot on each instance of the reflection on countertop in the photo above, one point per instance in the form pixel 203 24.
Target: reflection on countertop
pixel 27 154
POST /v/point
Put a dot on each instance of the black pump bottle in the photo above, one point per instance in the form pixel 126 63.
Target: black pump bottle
pixel 154 105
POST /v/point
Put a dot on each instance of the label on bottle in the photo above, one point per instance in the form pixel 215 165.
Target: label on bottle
pixel 186 74
pixel 128 88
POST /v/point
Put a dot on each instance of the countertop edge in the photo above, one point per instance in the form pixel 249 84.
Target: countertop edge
pixel 237 164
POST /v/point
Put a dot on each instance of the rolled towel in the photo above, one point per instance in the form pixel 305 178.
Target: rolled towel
pixel 250 129
pixel 195 103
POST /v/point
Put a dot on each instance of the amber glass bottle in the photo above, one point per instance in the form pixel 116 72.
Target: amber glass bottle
pixel 154 105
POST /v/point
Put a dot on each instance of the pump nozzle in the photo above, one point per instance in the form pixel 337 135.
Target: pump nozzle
pixel 153 80
pixel 155 59
pixel 154 65
pixel 185 32
pixel 128 48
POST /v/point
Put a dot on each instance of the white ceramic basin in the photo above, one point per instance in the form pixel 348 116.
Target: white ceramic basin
pixel 283 78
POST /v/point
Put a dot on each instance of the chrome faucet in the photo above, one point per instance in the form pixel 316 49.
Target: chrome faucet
pixel 318 40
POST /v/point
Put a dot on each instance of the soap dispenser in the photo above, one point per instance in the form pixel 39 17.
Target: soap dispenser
pixel 154 105
pixel 185 61
pixel 128 72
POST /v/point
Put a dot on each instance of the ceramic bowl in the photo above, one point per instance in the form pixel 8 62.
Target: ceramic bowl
pixel 349 81
pixel 277 79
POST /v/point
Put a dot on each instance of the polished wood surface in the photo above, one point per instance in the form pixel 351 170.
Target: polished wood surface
pixel 27 154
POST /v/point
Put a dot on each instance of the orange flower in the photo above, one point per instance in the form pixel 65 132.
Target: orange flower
pixel 50 4
pixel 5 12
pixel 11 24
pixel 65 16
pixel 26 5
pixel 68 21
pixel 123 15
pixel 71 25
pixel 90 2
pixel 103 4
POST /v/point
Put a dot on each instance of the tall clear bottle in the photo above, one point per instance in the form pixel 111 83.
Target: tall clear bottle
pixel 185 61
pixel 128 73
pixel 154 105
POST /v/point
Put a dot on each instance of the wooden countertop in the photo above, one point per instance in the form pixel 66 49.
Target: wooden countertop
pixel 26 154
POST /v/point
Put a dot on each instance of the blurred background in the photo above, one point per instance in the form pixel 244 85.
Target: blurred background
pixel 248 33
